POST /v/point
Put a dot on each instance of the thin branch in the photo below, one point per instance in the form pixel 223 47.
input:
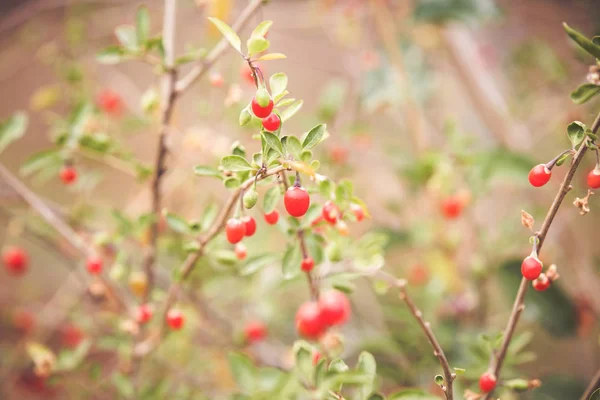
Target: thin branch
pixel 498 357
pixel 204 65
pixel 146 346
pixel 594 384
pixel 61 227
pixel 312 283
pixel 169 96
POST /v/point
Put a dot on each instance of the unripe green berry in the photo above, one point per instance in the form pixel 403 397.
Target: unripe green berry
pixel 334 252
pixel 262 97
pixel 245 116
pixel 250 198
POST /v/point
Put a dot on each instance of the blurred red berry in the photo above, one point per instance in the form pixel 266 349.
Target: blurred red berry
pixel 71 336
pixel 358 211
pixel 316 358
pixel 255 331
pixel 541 283
pixel 330 212
pixel 68 174
pixel 23 321
pixel 110 102
pixel 309 321
pixel 240 251
pixel 15 260
pixel 272 217
pixel 175 319
pixel 216 79
pixel 593 179
pixel 143 314
pixel 235 230
pixel 250 224
pixel 94 265
pixel 308 264
pixel 335 308
pixel 452 207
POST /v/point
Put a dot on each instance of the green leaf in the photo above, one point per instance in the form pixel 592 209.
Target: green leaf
pixel 257 45
pixel 42 160
pixel 235 163
pixel 271 56
pixel 231 182
pixel 243 371
pixel 412 394
pixel 228 33
pixel 142 25
pixel 376 396
pixel 303 353
pixel 584 93
pixel 314 136
pixel 583 41
pixel 123 385
pixel 291 110
pixel 286 102
pixel 278 83
pixel 273 142
pixel 262 29
pixel 576 132
pixel 204 170
pixel 459 371
pixel 70 359
pixel 271 199
pixel 256 263
pixel 12 129
pixel 367 365
pixel 208 216
pixel 177 223
pixel 291 262
pixel 127 36
pixel 293 146
pixel 110 55
pixel 149 101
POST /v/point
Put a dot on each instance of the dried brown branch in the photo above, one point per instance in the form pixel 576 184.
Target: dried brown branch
pixel 498 357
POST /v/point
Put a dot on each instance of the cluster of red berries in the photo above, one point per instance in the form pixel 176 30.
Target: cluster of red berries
pixel 270 120
pixel 531 269
pixel 238 228
pixel 315 317
pixel 15 260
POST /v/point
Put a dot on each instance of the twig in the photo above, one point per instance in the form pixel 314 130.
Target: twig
pixel 498 357
pixel 594 384
pixel 169 96
pixel 204 65
pixel 61 227
pixel 312 283
pixel 146 346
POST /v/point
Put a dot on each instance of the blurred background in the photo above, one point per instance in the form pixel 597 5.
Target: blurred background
pixel 425 101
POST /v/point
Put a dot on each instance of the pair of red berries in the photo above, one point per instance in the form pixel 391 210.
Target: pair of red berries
pixel 296 201
pixel 175 318
pixel 487 382
pixel 16 260
pixel 68 174
pixel 237 228
pixel 270 120
pixel 541 174
pixel 255 331
pixel 315 317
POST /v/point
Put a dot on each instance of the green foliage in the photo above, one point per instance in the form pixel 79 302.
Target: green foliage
pixel 585 43
pixel 228 33
pixel 584 93
pixel 576 132
pixel 13 128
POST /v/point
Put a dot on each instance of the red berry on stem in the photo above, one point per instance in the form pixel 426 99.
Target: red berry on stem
pixel 255 331
pixel 335 308
pixel 175 319
pixel 235 230
pixel 271 123
pixel 452 207
pixel 272 217
pixel 240 251
pixel 539 175
pixel 531 267
pixel 216 79
pixel 94 265
pixel 261 112
pixel 15 260
pixel 309 321
pixel 71 336
pixel 358 211
pixel 308 264
pixel 143 314
pixel 593 178
pixel 487 382
pixel 250 224
pixel 541 283
pixel 330 212
pixel 296 201
pixel 68 174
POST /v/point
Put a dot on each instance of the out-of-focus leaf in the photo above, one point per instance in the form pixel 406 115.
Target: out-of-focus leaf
pixel 367 365
pixel 257 45
pixel 43 159
pixel 142 25
pixel 584 93
pixel 291 110
pixel 127 36
pixel 256 263
pixel 291 262
pixel 70 359
pixel 271 56
pixel 228 33
pixel 243 371
pixel 504 163
pixel 332 98
pixel 177 223
pixel 271 199
pixel 262 29
pixel 111 55
pixel 12 129
pixel 204 170
pixel 123 385
pixel 582 41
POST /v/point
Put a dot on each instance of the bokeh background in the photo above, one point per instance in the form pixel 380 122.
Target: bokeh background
pixel 424 99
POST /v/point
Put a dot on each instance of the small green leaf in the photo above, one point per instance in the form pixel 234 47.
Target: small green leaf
pixel 459 371
pixel 582 41
pixel 228 33
pixel 243 371
pixel 191 247
pixel 273 142
pixel 277 98
pixel 142 25
pixel 291 110
pixel 286 102
pixel 584 93
pixel 203 170
pixel 177 223
pixel 231 182
pixel 314 136
pixel 291 262
pixel 278 83
pixel 439 380
pixel 149 101
pixel 257 45
pixel 245 116
pixel 271 56
pixel 271 199
pixel 12 129
pixel 576 132
pixel 110 55
pixel 412 394
pixel 367 365
pixel 43 160
pixel 209 215
pixel 124 385
pixel 235 163
pixel 256 263
pixel 293 146
pixel 303 359
pixel 262 29
pixel 562 159
pixel 127 36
